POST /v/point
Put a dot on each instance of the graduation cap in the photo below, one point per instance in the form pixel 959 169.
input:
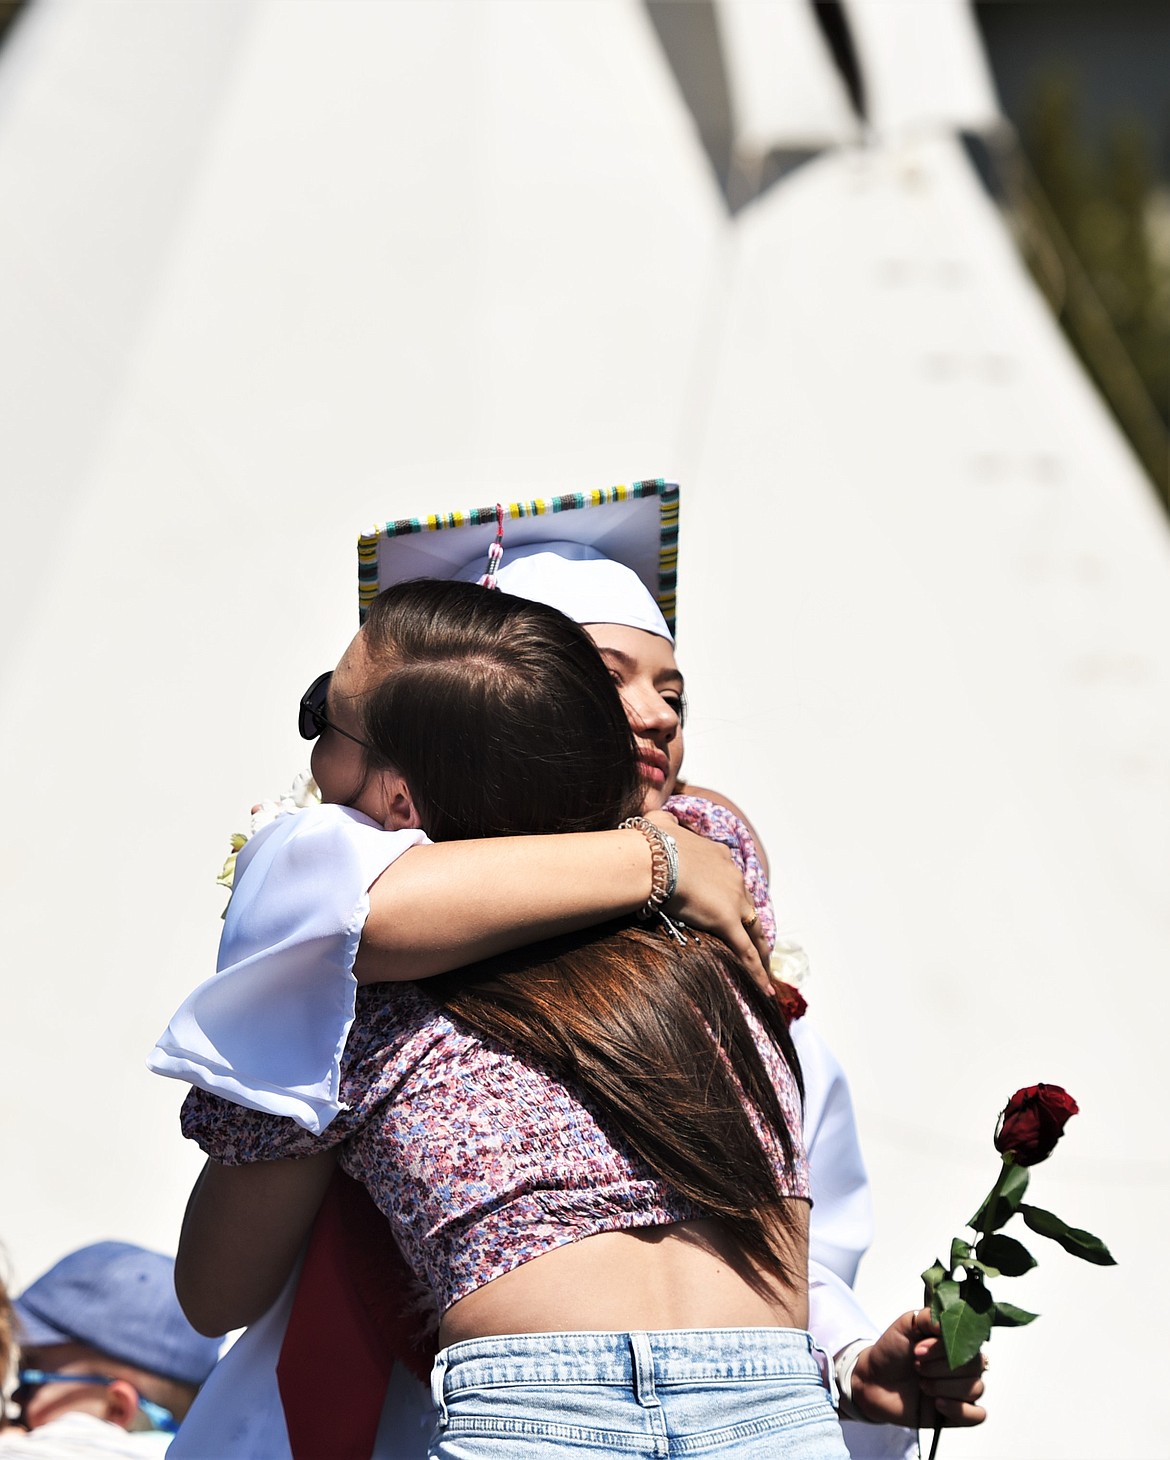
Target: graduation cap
pixel 604 556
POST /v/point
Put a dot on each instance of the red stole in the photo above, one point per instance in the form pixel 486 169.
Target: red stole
pixel 347 1329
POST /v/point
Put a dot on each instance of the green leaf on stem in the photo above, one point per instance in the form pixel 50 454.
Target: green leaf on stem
pixel 1008 1192
pixel 1007 1315
pixel 966 1320
pixel 932 1277
pixel 946 1295
pixel 1003 1200
pixel 1010 1257
pixel 960 1251
pixel 1080 1243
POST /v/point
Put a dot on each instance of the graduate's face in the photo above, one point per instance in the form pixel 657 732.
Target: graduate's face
pixel 651 686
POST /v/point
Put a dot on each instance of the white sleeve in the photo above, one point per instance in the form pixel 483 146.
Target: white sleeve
pixel 841 1222
pixel 835 1317
pixel 841 1225
pixel 840 1230
pixel 268 1029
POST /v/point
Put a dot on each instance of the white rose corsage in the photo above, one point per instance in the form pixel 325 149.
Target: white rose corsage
pixel 303 792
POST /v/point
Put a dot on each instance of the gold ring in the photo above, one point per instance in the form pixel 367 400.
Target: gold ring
pixel 749 923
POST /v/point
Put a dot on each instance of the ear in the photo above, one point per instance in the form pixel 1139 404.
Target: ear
pixel 121 1404
pixel 399 810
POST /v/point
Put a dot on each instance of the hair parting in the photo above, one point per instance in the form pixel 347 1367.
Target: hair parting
pixel 499 714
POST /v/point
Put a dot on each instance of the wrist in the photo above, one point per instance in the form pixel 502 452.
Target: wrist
pixel 849 1367
pixel 663 864
pixel 633 872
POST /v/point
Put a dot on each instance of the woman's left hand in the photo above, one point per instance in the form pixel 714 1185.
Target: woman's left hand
pixel 903 1378
pixel 711 896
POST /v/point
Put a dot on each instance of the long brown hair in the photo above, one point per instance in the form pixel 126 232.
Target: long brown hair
pixel 655 1035
pixel 503 719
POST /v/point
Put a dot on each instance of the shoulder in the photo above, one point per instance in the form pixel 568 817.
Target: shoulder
pixel 317 827
pixel 334 842
pixel 78 1434
pixel 720 814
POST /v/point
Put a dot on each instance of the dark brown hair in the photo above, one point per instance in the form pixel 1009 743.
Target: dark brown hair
pixel 656 1036
pixel 498 712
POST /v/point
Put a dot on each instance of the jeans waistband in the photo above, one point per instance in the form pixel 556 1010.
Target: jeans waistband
pixel 661 1357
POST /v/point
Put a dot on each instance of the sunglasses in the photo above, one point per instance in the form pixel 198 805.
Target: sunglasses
pixel 30 1380
pixel 313 720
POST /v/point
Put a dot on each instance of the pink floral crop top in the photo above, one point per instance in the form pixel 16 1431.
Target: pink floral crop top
pixel 478 1160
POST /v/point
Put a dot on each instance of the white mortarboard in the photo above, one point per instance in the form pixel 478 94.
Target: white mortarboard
pixel 606 556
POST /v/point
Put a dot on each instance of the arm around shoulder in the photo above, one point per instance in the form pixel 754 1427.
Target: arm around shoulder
pixel 441 906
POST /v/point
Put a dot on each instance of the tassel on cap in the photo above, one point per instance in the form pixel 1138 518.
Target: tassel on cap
pixel 495 551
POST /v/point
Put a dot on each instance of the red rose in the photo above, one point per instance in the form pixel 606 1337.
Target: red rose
pixel 1032 1122
pixel 792 1002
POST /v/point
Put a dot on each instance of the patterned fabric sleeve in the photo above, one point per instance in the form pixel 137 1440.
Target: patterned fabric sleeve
pixel 233 1135
pixel 391 1020
pixel 718 824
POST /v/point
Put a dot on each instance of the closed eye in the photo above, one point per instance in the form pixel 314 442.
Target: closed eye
pixel 678 703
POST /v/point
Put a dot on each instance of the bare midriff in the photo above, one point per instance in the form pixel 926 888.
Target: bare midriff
pixel 686 1275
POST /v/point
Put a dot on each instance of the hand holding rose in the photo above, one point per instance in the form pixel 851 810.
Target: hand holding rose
pixel 904 1378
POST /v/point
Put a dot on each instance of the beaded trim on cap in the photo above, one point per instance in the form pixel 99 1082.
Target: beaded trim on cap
pixel 667 493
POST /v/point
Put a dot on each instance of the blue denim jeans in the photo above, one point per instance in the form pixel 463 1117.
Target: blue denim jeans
pixel 751 1393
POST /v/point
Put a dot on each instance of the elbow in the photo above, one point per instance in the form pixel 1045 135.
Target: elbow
pixel 213 1318
pixel 206 1324
pixel 209 1305
pixel 199 1305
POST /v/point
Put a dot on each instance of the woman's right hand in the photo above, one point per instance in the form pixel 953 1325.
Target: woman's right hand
pixel 711 896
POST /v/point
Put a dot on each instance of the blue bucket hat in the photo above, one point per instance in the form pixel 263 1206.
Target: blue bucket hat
pixel 118 1299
